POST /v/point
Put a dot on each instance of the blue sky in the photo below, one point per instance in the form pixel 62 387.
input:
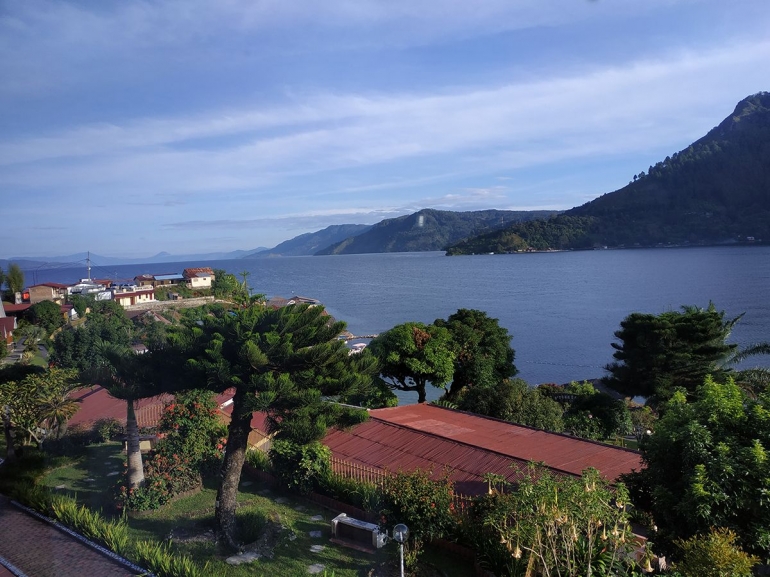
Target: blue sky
pixel 129 128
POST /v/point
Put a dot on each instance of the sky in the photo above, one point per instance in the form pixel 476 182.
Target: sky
pixel 128 128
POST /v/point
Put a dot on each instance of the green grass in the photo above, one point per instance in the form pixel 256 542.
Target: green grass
pixel 194 515
pixel 97 464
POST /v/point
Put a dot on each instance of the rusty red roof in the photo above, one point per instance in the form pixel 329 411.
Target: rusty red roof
pixel 96 403
pixel 428 437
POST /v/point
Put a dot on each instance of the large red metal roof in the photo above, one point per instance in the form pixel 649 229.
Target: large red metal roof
pixel 429 437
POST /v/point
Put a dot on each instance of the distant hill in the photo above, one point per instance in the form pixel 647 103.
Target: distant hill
pixel 717 190
pixel 428 230
pixel 311 242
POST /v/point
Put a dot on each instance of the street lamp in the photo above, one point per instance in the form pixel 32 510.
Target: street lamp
pixel 400 535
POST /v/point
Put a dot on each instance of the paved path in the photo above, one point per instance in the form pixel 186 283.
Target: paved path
pixel 41 550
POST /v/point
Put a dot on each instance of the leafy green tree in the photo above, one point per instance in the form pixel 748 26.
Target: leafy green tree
pixel 658 353
pixel 482 350
pixel 81 303
pixel 227 286
pixel 46 314
pixel 287 362
pixel 80 347
pixel 707 466
pixel 515 401
pixel 2 280
pixel 36 406
pixel 595 415
pixel 411 355
pixel 14 278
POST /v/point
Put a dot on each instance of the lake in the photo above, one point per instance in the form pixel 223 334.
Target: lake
pixel 562 308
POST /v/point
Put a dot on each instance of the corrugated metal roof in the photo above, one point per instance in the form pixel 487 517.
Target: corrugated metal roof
pixel 429 437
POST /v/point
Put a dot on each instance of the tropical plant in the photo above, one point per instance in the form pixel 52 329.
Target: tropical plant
pixel 714 554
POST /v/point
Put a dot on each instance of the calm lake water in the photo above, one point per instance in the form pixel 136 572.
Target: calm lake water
pixel 561 308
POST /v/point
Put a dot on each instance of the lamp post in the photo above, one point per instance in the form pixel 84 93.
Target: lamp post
pixel 400 535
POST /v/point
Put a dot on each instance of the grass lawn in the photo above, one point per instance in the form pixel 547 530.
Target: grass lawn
pixel 190 519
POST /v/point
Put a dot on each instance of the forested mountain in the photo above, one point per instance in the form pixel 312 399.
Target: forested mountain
pixel 429 229
pixel 716 190
pixel 309 243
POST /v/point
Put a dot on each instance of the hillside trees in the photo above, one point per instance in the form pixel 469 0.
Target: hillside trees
pixel 658 353
pixel 287 363
pixel 482 351
pixel 413 354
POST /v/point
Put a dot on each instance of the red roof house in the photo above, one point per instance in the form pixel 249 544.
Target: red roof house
pixel 429 437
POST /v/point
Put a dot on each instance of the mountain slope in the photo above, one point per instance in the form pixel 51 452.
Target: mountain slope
pixel 309 243
pixel 715 190
pixel 428 230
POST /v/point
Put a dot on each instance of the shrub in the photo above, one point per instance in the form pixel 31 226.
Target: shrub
pixel 300 467
pixel 715 554
pixel 366 496
pixel 425 505
pixel 259 460
pixel 158 558
pixel 107 430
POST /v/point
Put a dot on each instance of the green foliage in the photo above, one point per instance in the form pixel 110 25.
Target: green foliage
pixel 715 554
pixel 424 504
pixel 46 314
pixel 300 467
pixel 366 496
pixel 378 396
pixel 597 416
pixel 515 401
pixel 163 562
pixel 258 459
pixel 658 353
pixel 80 347
pixel 707 465
pixel 14 278
pixel 81 303
pixel 227 286
pixel 413 354
pixel 554 525
pixel 38 406
pixel 191 427
pixel 482 350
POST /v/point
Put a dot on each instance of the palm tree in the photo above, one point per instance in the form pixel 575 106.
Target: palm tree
pixel 127 376
pixel 754 380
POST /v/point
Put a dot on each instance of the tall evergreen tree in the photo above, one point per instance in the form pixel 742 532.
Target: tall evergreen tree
pixel 658 353
pixel 287 363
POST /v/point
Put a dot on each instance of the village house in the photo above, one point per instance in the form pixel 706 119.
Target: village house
pixel 7 326
pixel 130 297
pixel 169 279
pixel 199 278
pixel 48 291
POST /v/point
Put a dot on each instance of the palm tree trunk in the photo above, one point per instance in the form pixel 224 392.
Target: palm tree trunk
pixel 235 455
pixel 134 454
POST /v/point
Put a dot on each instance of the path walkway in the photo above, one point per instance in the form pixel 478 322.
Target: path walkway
pixel 41 550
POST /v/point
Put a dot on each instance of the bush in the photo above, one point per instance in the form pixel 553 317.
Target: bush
pixel 425 505
pixel 158 558
pixel 715 554
pixel 366 496
pixel 107 430
pixel 259 460
pixel 300 467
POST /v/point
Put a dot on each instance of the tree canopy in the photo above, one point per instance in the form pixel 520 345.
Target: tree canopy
pixel 414 354
pixel 515 401
pixel 14 278
pixel 46 314
pixel 658 353
pixel 482 350
pixel 286 362
pixel 707 466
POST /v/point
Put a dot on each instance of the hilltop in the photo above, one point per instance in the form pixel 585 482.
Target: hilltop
pixel 717 190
